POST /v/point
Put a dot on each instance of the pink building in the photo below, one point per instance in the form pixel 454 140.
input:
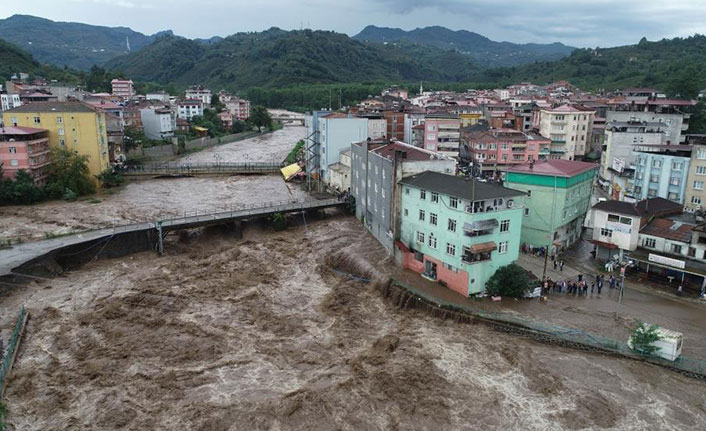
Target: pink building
pixel 239 108
pixel 122 88
pixel 441 134
pixel 24 148
pixel 498 149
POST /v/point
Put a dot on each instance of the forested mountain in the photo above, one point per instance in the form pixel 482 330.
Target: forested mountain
pixel 677 66
pixel 481 49
pixel 280 58
pixel 13 60
pixel 76 45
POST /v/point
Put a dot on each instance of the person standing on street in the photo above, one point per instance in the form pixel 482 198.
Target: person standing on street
pixel 679 290
pixel 561 265
pixel 611 281
pixel 592 286
pixel 554 260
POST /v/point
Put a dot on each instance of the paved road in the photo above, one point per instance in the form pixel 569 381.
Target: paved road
pixel 19 254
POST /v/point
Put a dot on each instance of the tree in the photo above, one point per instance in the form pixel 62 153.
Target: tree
pixel 216 104
pixel 24 191
pixel 133 137
pixel 510 280
pixel 210 121
pixel 109 178
pixel 643 338
pixel 260 117
pixel 68 174
pixel 240 126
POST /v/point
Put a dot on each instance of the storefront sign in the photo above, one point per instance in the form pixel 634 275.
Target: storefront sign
pixel 618 227
pixel 666 261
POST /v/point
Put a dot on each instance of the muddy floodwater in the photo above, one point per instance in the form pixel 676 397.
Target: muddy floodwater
pixel 267 331
pixel 151 199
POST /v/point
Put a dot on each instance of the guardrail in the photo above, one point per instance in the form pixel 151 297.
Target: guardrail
pixel 9 358
pixel 168 168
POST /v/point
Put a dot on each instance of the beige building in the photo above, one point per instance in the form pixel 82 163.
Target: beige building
pixel 695 192
pixel 569 128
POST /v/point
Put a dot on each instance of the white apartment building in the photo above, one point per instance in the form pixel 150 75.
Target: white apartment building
pixel 9 101
pixel 158 123
pixel 569 128
pixel 188 109
pixel 200 93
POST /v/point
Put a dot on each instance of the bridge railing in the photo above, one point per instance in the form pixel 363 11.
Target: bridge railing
pixel 176 167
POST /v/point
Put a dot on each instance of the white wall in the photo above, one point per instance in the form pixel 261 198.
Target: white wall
pixel 624 236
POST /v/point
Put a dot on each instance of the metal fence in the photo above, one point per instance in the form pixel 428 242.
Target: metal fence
pixel 12 345
pixel 171 168
pixel 566 336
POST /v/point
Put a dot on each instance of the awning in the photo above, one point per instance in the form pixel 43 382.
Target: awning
pixel 607 245
pixel 480 225
pixel 483 247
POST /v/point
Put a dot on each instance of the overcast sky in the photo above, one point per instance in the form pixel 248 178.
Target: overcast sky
pixel 574 22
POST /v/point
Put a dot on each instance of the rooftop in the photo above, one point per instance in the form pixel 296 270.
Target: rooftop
pixel 559 168
pixel 460 187
pixel 411 153
pixel 665 228
pixel 53 107
pixel 16 130
pixel 659 206
pixel 619 207
pixel 570 108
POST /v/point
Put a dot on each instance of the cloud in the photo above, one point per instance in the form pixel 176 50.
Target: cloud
pixel 119 3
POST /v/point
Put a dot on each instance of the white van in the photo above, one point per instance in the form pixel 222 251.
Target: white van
pixel 668 346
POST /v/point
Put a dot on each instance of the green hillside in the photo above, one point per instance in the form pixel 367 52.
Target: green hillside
pixel 677 66
pixel 13 60
pixel 282 58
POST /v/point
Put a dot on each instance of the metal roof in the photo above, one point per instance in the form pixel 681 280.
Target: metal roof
pixel 460 187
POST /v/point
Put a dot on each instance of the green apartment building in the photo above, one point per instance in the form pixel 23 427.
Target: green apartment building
pixel 458 231
pixel 558 197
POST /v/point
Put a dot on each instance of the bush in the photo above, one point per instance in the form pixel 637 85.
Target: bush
pixel 292 156
pixel 643 338
pixel 68 170
pixel 110 178
pixel 510 280
pixel 278 221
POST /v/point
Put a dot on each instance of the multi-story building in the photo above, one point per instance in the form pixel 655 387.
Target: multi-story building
pixel 558 198
pixel 413 117
pixel 376 169
pixel 340 173
pixel 661 110
pixel 332 133
pixel 569 128
pixel 695 193
pixel 9 101
pixel 239 108
pixel 200 93
pixel 616 227
pixel 24 148
pixel 442 134
pixel 618 157
pixel 458 231
pixel 122 88
pixel 158 123
pixel 158 96
pixel 661 171
pixel 497 149
pixel 189 108
pixel 74 125
pixel 394 119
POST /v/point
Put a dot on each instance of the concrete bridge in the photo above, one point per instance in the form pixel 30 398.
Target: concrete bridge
pixel 286 119
pixel 176 169
pixel 40 256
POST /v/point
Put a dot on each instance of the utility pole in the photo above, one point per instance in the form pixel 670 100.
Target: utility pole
pixel 551 234
pixel 622 288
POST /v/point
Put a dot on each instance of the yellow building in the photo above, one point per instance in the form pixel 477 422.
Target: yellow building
pixel 73 125
pixel 470 118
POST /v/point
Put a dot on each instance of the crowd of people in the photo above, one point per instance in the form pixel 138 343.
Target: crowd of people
pixel 582 286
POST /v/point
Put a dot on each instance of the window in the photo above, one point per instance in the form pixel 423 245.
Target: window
pixel 676 248
pixel 701 170
pixel 422 194
pixel 13 120
pixel 453 202
pixel 59 119
pixel 673 196
pixel 504 225
pixel 608 233
pixel 613 218
pixel 382 192
pixel 14 162
pixel 696 200
pixel 656 163
pixel 420 237
pixel 37 120
pixel 62 142
pixel 434 197
pixel 431 137
pixel 502 247
pixel 503 146
pixel 421 215
pixel 431 127
pixel 452 225
pixel 406 212
pixel 676 166
pixel 526 212
pixel 406 190
pixel 675 181
pixel 698 185
pixel 13 150
pixel 626 221
pixel 649 242
pixel 432 241
pixel 701 154
pixel 433 219
pixel 450 249
pixel 529 193
pixel 61 131
pixel 654 178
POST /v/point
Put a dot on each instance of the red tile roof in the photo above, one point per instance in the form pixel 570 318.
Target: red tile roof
pixel 559 168
pixel 670 229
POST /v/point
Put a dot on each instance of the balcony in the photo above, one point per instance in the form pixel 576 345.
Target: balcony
pixel 477 253
pixel 558 142
pixel 479 228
